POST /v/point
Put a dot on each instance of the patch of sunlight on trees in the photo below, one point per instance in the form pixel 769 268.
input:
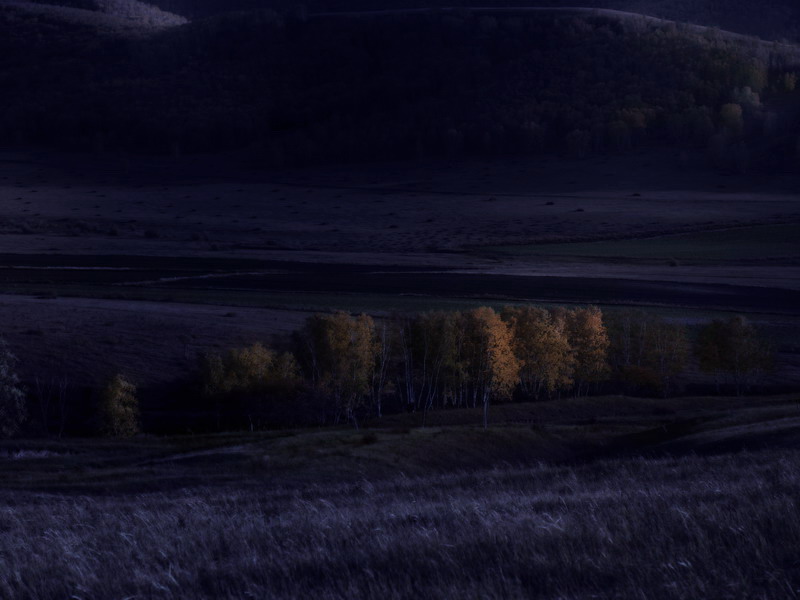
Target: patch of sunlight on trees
pixel 340 368
pixel 344 367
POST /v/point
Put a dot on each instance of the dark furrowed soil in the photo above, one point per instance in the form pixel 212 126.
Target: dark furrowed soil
pixel 284 276
pixel 332 278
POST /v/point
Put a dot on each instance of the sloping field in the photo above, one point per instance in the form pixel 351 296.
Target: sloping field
pixel 557 431
pixel 622 498
pixel 86 340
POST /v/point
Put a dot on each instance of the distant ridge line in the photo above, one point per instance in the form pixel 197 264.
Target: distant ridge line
pixel 140 16
pixel 609 12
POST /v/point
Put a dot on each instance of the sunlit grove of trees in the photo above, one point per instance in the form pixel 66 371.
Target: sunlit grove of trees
pixel 343 368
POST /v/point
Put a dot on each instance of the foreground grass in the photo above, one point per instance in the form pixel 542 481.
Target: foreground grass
pixel 573 430
pixel 693 527
pixel 593 498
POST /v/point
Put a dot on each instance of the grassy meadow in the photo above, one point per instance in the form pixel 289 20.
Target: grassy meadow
pixel 689 527
pixel 602 498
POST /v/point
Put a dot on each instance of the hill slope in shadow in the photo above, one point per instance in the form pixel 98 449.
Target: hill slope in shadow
pixel 402 86
pixel 770 19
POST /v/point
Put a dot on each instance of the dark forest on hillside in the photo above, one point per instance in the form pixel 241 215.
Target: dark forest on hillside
pixel 775 19
pixel 403 86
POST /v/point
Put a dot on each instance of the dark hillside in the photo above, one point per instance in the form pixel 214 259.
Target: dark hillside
pixel 770 19
pixel 399 86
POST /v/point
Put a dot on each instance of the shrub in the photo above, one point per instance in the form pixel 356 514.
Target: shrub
pixel 119 408
pixel 12 397
pixel 734 348
pixel 249 370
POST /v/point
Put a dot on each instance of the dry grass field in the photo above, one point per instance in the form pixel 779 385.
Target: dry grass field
pixel 193 207
pixel 717 527
pixel 611 498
